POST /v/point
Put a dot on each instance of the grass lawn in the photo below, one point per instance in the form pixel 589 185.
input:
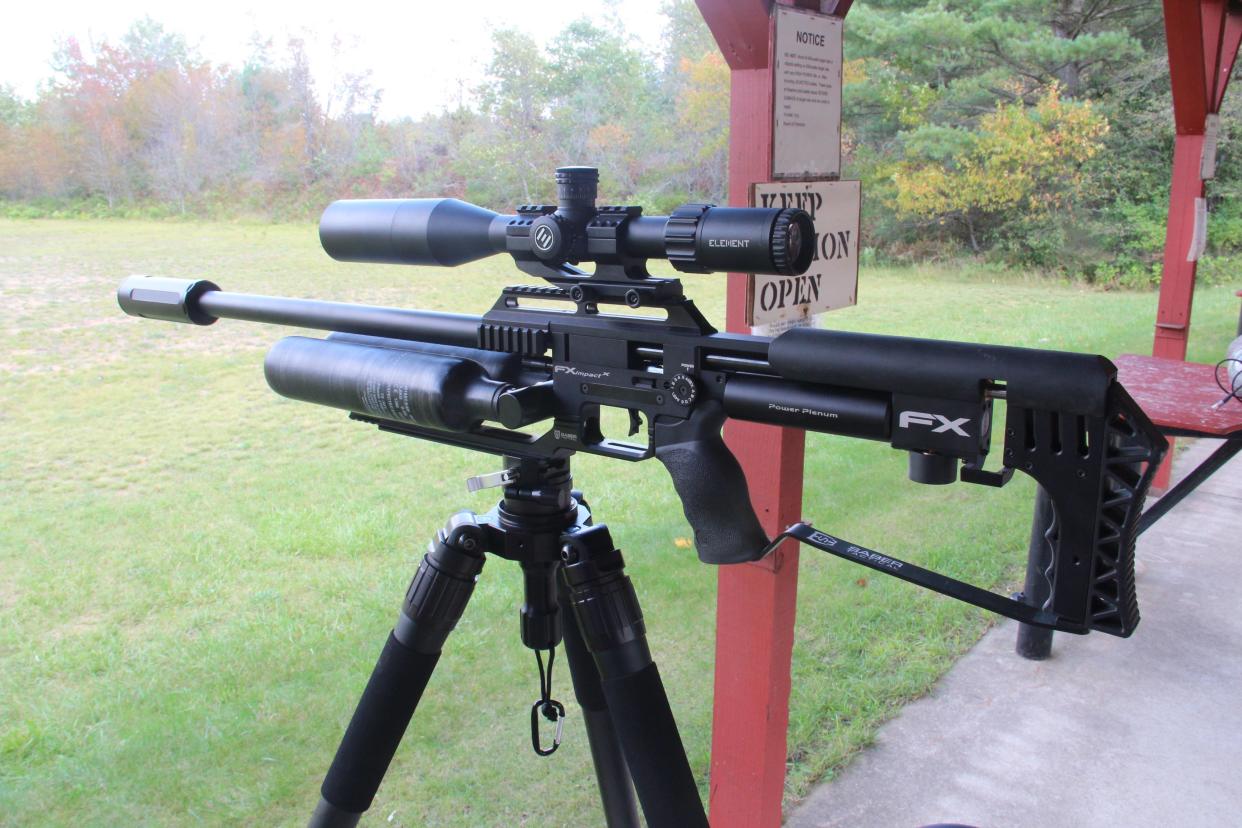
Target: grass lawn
pixel 196 575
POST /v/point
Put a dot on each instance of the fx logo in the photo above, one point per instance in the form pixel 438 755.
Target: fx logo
pixel 909 418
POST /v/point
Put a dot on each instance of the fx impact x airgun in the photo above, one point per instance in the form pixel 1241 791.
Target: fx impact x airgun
pixel 527 381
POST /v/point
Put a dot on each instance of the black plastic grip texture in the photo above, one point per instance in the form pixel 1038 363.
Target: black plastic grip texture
pixel 711 485
pixel 653 750
pixel 379 722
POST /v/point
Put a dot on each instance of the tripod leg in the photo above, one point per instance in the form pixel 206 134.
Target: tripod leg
pixel 616 789
pixel 434 602
pixel 1035 643
pixel 612 625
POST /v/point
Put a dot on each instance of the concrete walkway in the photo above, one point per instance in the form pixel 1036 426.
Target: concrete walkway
pixel 1140 732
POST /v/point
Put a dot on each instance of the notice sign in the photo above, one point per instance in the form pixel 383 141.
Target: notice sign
pixel 832 280
pixel 806 100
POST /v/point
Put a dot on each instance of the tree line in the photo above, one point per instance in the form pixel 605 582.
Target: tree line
pixel 1036 132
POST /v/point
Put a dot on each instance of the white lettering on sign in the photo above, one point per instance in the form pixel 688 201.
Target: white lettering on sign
pixel 832 279
pixel 806 100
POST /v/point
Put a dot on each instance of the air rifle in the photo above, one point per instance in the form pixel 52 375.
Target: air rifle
pixel 485 382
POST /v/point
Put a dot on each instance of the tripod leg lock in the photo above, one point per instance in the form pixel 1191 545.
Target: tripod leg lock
pixel 604 600
pixel 611 621
pixel 442 586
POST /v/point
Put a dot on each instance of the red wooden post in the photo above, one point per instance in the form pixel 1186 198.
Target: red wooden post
pixel 1203 40
pixel 755 606
pixel 1177 284
pixel 1185 32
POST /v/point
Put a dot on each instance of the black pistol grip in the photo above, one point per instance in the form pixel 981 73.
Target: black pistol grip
pixel 711 486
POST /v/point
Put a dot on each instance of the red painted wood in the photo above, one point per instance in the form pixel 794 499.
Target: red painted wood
pixel 1212 19
pixel 1177 394
pixel 1194 35
pixel 740 28
pixel 1229 52
pixel 1183 28
pixel 756 603
pixel 1177 281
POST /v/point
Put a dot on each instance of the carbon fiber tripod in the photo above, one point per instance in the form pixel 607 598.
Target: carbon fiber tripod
pixel 566 561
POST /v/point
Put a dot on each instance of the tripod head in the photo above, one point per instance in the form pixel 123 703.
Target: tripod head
pixel 545 240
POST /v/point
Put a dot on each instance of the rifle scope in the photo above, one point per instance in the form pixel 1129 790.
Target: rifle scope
pixel 696 238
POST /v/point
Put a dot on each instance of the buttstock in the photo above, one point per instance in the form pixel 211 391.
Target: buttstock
pixel 1097 471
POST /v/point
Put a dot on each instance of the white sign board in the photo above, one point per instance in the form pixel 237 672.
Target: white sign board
pixel 806 100
pixel 832 280
pixel 775 329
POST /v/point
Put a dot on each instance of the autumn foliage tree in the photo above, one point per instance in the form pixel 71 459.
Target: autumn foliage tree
pixel 1018 158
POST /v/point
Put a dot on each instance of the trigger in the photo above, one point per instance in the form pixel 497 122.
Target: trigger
pixel 636 422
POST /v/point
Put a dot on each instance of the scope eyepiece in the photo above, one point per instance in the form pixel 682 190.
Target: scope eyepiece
pixel 696 238
pixel 700 238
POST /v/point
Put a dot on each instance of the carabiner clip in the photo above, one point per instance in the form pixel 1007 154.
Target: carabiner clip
pixel 553 711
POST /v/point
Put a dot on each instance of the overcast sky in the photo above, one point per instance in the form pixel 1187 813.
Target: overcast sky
pixel 422 53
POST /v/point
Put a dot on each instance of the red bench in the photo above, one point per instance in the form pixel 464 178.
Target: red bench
pixel 1178 397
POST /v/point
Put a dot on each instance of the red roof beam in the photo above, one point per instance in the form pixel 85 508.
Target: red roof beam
pixel 1229 52
pixel 1212 18
pixel 1183 28
pixel 740 27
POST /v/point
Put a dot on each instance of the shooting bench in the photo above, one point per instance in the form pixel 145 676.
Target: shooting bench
pixel 1178 397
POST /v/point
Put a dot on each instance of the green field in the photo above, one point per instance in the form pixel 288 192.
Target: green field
pixel 196 575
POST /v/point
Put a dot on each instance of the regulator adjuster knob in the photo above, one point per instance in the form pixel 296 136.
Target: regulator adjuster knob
pixel 683 389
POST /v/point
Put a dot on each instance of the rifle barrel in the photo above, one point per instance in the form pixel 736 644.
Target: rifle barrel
pixel 201 302
pixel 428 326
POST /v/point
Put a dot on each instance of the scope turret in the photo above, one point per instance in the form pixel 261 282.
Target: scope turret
pixel 696 238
